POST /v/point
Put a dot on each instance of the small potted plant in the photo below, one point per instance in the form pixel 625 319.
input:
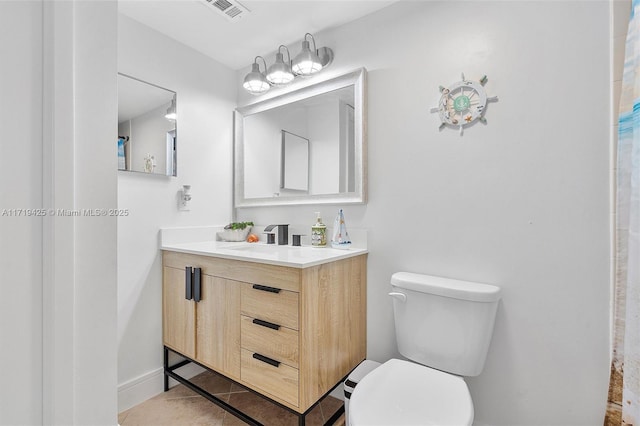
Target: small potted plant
pixel 235 231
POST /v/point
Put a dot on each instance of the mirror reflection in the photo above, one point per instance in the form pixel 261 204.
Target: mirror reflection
pixel 146 127
pixel 294 161
pixel 306 146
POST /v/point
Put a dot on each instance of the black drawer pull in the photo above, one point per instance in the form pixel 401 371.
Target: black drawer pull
pixel 197 284
pixel 266 324
pixel 188 286
pixel 267 360
pixel 265 288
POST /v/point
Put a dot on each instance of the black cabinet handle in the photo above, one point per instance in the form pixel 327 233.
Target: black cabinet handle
pixel 266 324
pixel 197 284
pixel 188 285
pixel 267 360
pixel 265 288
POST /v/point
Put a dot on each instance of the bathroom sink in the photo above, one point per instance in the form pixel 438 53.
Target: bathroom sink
pixel 276 251
pixel 284 255
pixel 260 248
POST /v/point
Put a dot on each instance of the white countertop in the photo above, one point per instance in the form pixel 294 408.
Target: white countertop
pixel 296 257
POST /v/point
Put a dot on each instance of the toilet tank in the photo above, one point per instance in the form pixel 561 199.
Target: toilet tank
pixel 444 323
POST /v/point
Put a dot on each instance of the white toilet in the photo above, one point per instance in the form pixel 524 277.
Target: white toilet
pixel 445 327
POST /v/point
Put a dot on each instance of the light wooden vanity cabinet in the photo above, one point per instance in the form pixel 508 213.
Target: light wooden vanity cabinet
pixel 288 333
pixel 207 330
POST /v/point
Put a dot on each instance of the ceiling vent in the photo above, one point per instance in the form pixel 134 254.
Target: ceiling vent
pixel 230 9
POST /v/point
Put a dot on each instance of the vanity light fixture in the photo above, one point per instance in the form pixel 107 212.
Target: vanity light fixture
pixel 171 111
pixel 255 82
pixel 280 74
pixel 309 62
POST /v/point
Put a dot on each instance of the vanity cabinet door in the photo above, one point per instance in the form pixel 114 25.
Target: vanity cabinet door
pixel 218 325
pixel 178 319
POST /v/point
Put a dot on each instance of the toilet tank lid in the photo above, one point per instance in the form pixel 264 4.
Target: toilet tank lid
pixel 447 287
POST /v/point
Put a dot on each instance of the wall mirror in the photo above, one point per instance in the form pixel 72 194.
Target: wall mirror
pixel 307 146
pixel 146 127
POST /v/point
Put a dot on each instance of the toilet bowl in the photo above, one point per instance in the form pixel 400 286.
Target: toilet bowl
pixel 443 327
pixel 404 393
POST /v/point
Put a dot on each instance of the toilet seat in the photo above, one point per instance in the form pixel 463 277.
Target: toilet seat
pixel 404 393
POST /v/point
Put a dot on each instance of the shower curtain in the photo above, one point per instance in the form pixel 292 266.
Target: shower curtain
pixel 623 406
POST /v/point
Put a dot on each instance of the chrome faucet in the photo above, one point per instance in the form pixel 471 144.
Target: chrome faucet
pixel 283 233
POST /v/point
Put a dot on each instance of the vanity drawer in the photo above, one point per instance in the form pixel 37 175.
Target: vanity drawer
pixel 280 344
pixel 280 381
pixel 270 304
pixel 250 272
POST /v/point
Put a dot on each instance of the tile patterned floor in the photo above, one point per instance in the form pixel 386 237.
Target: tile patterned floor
pixel 182 407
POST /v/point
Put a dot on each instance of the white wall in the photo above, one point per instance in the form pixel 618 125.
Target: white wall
pixel 58 325
pixel 21 237
pixel 522 202
pixel 94 187
pixel 205 101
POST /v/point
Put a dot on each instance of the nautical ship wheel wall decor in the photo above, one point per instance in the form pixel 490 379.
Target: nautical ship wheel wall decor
pixel 463 103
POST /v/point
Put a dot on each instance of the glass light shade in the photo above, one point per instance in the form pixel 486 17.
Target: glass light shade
pixel 280 73
pixel 306 62
pixel 255 82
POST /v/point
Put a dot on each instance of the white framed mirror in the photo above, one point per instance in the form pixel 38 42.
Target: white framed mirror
pixel 147 127
pixel 307 146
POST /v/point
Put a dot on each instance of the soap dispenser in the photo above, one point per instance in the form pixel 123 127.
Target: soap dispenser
pixel 319 233
pixel 340 238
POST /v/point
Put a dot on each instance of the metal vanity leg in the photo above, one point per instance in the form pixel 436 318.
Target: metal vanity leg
pixel 166 367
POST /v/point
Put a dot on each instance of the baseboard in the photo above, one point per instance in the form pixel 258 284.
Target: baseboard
pixel 148 385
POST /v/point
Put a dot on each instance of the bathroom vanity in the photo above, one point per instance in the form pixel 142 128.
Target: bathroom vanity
pixel 286 322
